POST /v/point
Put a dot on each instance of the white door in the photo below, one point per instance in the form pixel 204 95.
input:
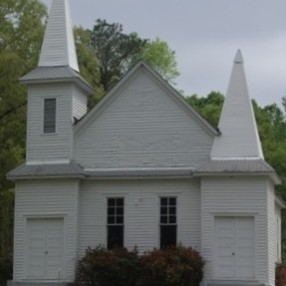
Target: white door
pixel 234 247
pixel 44 252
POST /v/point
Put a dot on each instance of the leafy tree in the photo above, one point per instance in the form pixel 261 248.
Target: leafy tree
pixel 114 50
pixel 117 52
pixel 88 64
pixel 158 55
pixel 22 25
pixel 209 107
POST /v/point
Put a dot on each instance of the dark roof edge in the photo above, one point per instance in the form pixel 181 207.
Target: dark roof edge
pixel 25 172
pixel 72 77
pixel 271 174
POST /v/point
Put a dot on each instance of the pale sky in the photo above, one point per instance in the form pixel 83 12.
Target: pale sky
pixel 205 34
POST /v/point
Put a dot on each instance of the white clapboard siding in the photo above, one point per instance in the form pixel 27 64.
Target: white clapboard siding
pixel 141 211
pixel 46 199
pixel 58 47
pixel 42 146
pixel 235 196
pixel 272 233
pixel 143 126
pixel 239 136
pixel 278 232
pixel 79 103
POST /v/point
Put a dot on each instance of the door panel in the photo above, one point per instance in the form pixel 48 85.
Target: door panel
pixel 224 244
pixel 44 255
pixel 234 247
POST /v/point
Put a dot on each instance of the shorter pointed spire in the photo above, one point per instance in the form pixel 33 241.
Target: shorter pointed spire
pixel 238 57
pixel 239 137
pixel 58 48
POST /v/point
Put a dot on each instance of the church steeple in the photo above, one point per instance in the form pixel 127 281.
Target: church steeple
pixel 58 48
pixel 57 96
pixel 239 137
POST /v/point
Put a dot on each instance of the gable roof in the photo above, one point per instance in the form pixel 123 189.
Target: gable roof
pixel 239 136
pixel 58 47
pixel 164 84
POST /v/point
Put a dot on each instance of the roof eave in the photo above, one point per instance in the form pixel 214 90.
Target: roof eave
pixel 140 174
pixel 78 81
pixel 276 180
pixel 39 177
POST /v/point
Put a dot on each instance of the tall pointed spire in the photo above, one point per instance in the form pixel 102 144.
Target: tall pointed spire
pixel 59 47
pixel 239 137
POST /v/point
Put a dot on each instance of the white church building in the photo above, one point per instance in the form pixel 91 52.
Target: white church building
pixel 142 168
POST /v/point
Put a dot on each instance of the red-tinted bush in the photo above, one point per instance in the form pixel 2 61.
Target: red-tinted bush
pixel 175 266
pixel 102 267
pixel 280 277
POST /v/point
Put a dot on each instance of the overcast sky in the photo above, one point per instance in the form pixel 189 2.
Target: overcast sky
pixel 205 34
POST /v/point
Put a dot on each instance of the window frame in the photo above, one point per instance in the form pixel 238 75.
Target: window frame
pixel 55 116
pixel 168 223
pixel 115 216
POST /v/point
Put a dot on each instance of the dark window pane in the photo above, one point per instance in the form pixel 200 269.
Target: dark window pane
pixel 119 202
pixel 172 201
pixel 172 219
pixel 164 210
pixel 111 202
pixel 114 236
pixel 168 235
pixel 172 210
pixel 111 211
pixel 50 115
pixel 111 220
pixel 164 201
pixel 119 211
pixel 164 219
pixel 119 219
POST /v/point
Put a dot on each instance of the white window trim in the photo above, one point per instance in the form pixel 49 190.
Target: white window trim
pixel 43 116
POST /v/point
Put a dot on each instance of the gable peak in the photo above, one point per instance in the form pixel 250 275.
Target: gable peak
pixel 58 47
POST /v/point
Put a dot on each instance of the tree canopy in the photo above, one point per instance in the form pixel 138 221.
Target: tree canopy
pixel 117 52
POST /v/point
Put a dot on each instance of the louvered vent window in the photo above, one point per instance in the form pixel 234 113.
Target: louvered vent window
pixel 50 105
pixel 168 221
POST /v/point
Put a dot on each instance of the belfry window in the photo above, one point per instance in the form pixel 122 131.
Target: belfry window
pixel 50 105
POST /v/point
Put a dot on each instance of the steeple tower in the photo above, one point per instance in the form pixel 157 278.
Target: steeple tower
pixel 57 94
pixel 58 48
pixel 239 137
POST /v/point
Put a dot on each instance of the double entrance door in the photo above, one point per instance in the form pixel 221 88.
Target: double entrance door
pixel 44 248
pixel 234 248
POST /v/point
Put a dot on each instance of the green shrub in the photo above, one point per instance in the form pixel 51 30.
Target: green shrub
pixel 280 274
pixel 174 266
pixel 102 267
pixel 5 270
